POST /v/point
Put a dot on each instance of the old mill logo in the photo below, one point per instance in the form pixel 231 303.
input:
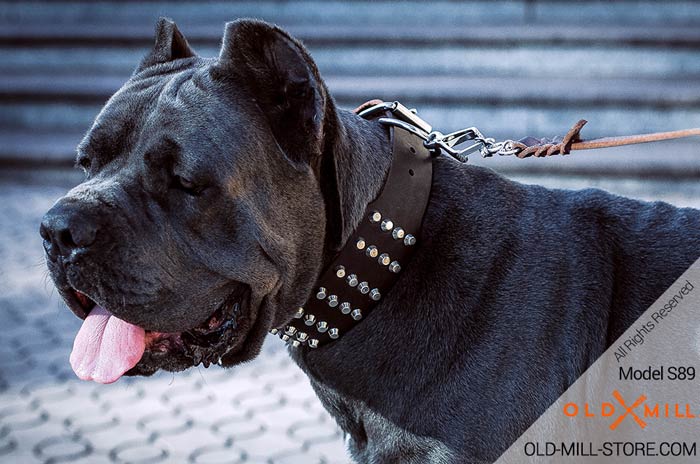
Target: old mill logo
pixel 640 411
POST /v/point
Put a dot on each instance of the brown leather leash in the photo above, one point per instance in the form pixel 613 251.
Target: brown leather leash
pixel 531 146
pixel 523 148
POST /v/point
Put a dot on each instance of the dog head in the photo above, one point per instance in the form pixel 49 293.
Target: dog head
pixel 206 208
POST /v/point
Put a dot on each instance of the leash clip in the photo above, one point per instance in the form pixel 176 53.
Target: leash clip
pixel 436 141
pixel 487 146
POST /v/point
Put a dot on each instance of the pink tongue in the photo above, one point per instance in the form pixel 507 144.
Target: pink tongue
pixel 106 347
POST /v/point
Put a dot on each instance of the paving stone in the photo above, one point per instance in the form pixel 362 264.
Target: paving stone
pixel 243 426
pixel 332 451
pixel 139 451
pixel 194 441
pixel 218 454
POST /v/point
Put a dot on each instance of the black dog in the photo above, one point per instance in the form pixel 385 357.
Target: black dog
pixel 217 190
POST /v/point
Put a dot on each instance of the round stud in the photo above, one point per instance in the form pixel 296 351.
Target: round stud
pixel 313 343
pixel 372 251
pixel 352 280
pixel 409 240
pixel 363 288
pixel 345 308
pixel 384 259
pixel 340 271
pixel 274 331
pixel 356 314
pixel 302 336
pixel 395 267
pixel 290 330
pixel 309 319
pixel 334 333
pixel 398 233
pixel 387 225
pixel 321 294
pixel 322 326
pixel 299 314
pixel 360 244
pixel 375 295
pixel 333 301
pixel 375 216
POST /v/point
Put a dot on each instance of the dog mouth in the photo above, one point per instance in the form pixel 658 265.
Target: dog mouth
pixel 106 347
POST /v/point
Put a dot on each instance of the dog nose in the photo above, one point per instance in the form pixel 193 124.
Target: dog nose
pixel 65 228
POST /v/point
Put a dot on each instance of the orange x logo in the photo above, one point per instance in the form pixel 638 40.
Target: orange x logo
pixel 628 410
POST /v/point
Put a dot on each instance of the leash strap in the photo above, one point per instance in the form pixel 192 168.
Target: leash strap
pixel 530 146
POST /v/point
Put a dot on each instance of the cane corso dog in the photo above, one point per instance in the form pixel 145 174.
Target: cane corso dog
pixel 216 191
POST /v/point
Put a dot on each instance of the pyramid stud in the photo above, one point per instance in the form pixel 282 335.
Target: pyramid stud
pixel 285 338
pixel 296 344
pixel 299 314
pixel 340 271
pixel 372 251
pixel 363 288
pixel 274 331
pixel 375 216
pixel 290 330
pixel 321 294
pixel 334 333
pixel 352 280
pixel 409 240
pixel 333 301
pixel 322 326
pixel 313 343
pixel 302 336
pixel 309 319
pixel 345 308
pixel 384 259
pixel 356 314
pixel 387 225
pixel 398 233
pixel 360 244
pixel 395 267
pixel 375 295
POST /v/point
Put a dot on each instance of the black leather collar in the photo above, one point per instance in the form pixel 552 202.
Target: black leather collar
pixel 372 260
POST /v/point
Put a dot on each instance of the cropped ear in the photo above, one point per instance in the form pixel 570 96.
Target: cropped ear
pixel 170 45
pixel 284 81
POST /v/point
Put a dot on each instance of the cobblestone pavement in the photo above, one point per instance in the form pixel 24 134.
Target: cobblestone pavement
pixel 261 412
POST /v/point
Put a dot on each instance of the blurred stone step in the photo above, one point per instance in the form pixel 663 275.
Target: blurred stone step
pixel 443 90
pixel 19 148
pixel 609 61
pixel 381 12
pixel 301 12
pixel 349 31
pixel 543 91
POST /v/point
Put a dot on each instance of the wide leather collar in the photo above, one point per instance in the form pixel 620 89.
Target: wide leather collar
pixel 363 272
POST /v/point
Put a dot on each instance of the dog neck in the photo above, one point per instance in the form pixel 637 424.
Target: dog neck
pixel 362 153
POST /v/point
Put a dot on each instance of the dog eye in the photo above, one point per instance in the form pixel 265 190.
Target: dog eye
pixel 84 162
pixel 186 185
